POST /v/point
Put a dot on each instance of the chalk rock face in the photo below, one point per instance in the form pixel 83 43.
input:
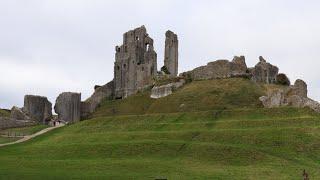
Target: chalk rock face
pixel 264 72
pixel 68 107
pixel 274 99
pixel 295 96
pixel 165 90
pixel 18 114
pixel 38 108
pixel 220 69
pixel 100 94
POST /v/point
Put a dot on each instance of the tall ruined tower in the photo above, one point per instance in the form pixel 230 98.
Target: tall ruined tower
pixel 171 53
pixel 136 63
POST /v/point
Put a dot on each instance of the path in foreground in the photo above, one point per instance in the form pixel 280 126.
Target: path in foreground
pixel 26 138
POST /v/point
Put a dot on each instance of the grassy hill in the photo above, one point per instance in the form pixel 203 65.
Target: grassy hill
pixel 228 137
pixel 196 96
pixel 4 113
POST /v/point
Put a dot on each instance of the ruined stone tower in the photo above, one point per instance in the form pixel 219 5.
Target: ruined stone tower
pixel 136 63
pixel 171 53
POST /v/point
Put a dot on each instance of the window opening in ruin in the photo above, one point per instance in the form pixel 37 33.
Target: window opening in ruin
pixel 142 68
pixel 147 46
pixel 118 67
pixel 137 38
pixel 124 66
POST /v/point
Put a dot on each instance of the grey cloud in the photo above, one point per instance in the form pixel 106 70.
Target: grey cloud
pixel 52 46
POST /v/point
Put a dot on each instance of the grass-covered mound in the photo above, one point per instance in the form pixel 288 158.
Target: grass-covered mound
pixel 195 96
pixel 229 144
pixel 213 129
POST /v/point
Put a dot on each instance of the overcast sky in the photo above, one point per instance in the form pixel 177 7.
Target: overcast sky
pixel 52 46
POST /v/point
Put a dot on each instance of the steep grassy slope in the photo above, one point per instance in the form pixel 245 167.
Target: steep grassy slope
pixel 196 96
pixel 238 144
pixel 206 130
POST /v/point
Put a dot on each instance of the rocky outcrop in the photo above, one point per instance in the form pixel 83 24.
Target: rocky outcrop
pixel 101 93
pixel 18 114
pixel 38 108
pixel 220 69
pixel 166 90
pixel 264 72
pixel 68 107
pixel 295 96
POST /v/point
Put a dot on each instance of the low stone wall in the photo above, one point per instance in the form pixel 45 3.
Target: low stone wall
pixel 6 123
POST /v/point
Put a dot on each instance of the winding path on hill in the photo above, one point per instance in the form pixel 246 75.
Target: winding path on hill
pixel 26 138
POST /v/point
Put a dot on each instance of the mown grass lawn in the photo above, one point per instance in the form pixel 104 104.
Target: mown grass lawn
pixel 239 144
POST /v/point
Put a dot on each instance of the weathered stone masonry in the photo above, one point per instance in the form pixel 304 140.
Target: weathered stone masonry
pixel 136 63
pixel 171 53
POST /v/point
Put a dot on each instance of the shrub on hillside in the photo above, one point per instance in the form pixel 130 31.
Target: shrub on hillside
pixel 282 79
pixel 165 70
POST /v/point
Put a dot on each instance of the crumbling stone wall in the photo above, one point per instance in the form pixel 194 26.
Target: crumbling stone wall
pixel 295 96
pixel 68 106
pixel 101 93
pixel 136 63
pixel 171 53
pixel 37 108
pixel 264 72
pixel 220 69
pixel 6 123
pixel 18 114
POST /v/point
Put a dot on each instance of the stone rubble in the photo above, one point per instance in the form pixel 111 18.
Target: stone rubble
pixel 166 90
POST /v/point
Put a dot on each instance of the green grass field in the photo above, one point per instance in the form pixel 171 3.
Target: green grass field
pixel 140 138
pixel 4 113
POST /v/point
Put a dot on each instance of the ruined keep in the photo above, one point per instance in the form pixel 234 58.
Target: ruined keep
pixel 171 53
pixel 68 107
pixel 136 63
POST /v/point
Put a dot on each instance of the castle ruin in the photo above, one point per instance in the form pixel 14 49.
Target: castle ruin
pixel 136 63
pixel 171 53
